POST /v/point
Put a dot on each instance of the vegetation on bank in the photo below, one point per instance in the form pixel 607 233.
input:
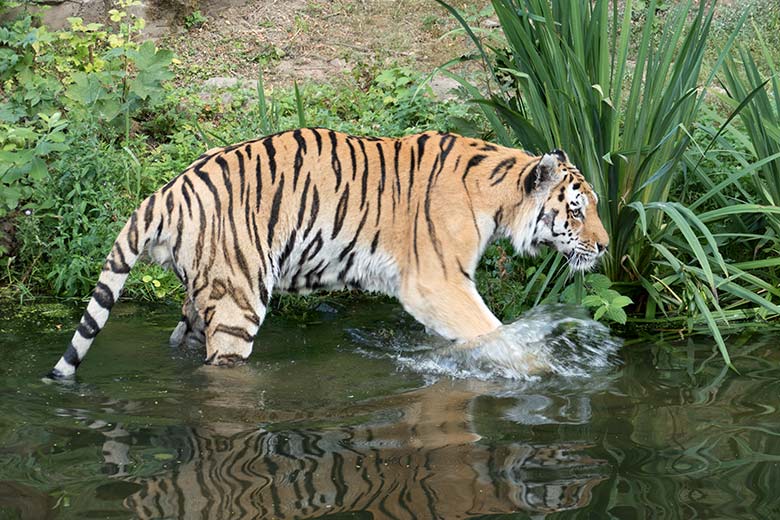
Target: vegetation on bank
pixel 673 116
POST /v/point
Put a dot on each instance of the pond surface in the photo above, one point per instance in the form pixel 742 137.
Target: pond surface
pixel 323 422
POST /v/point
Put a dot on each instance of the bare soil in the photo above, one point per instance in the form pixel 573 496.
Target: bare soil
pixel 314 39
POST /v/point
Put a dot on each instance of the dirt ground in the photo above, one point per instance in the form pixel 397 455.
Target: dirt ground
pixel 314 39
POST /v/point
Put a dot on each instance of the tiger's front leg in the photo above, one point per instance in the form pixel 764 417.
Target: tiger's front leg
pixel 453 310
pixel 231 314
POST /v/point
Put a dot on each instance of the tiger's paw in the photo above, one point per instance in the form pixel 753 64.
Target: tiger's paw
pixel 225 360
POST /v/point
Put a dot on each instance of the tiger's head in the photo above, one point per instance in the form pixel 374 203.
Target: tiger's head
pixel 566 215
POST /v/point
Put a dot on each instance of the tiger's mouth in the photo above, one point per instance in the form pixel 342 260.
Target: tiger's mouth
pixel 581 259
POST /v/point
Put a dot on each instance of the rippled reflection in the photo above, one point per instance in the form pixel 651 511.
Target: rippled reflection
pixel 418 456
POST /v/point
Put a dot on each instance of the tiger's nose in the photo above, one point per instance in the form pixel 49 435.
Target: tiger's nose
pixel 601 248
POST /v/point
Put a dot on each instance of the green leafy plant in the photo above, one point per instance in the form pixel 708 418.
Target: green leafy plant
pixel 760 117
pixel 24 151
pixel 195 20
pixel 600 298
pixel 625 112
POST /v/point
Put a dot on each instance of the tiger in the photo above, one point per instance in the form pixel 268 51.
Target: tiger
pixel 315 209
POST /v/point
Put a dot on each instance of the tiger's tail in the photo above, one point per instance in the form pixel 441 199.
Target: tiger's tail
pixel 129 245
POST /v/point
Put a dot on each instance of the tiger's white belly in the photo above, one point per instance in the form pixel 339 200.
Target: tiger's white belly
pixel 376 272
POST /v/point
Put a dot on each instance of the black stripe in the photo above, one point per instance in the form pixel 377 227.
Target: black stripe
pixel 202 234
pixel 248 151
pixel 302 205
pixel 341 212
pixel 382 172
pixel 149 212
pixel 463 271
pixel 170 184
pixel 438 165
pixel 274 218
pixel 416 252
pixel 271 153
pixel 255 234
pixel 240 258
pixel 88 327
pixel 364 185
pixel 298 157
pixel 501 170
pixel 315 209
pixel 474 161
pixel 228 184
pixel 234 331
pixel 343 274
pixel 241 175
pixel 316 271
pixel 446 145
pixel 116 261
pixel 203 176
pixel 253 318
pixel 352 156
pixel 421 147
pixel 258 181
pixel 309 253
pixel 335 162
pixel 375 243
pixel 103 295
pixel 288 247
pixel 203 159
pixel 499 214
pixel 318 138
pixel 169 204
pixel 529 183
pixel 132 233
pixel 187 200
pixel 179 237
pixel 264 296
pixel 158 232
pixel 396 158
pixel 412 167
pixel 71 356
pixel 352 242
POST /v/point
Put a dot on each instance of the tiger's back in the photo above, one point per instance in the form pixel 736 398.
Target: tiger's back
pixel 316 209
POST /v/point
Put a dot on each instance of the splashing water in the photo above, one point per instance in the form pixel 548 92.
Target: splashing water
pixel 558 339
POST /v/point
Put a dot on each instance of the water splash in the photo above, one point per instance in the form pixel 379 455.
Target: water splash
pixel 559 340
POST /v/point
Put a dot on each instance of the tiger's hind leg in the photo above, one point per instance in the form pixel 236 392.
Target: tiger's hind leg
pixel 191 330
pixel 231 315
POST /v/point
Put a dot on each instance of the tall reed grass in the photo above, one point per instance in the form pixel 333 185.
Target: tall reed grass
pixel 623 100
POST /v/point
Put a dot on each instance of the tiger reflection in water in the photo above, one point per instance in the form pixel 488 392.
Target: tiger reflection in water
pixel 419 457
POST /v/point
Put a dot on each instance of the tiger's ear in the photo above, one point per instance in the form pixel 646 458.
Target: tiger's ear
pixel 547 169
pixel 560 154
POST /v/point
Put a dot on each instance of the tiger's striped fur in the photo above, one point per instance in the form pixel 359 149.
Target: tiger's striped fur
pixel 316 209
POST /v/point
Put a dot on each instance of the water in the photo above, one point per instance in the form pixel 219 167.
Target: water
pixel 348 414
pixel 559 340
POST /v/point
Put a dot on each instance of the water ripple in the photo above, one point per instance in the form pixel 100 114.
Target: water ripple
pixel 556 339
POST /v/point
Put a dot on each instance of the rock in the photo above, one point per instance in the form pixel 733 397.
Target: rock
pixel 56 16
pixel 444 88
pixel 490 23
pixel 222 83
